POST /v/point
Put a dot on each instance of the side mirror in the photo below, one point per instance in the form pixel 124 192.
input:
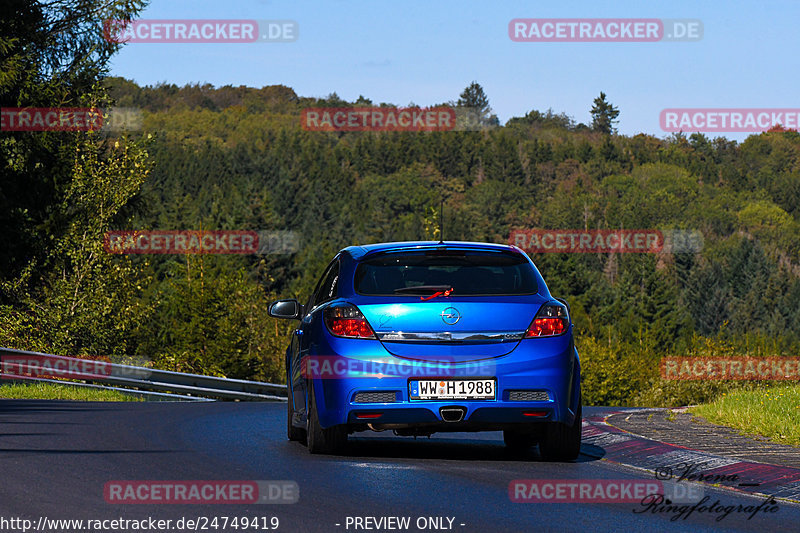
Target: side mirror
pixel 289 309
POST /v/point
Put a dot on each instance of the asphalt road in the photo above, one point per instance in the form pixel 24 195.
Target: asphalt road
pixel 56 458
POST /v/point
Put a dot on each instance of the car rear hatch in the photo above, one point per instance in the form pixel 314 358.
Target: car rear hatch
pixel 448 305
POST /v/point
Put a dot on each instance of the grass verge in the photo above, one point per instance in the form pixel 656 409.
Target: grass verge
pixel 51 391
pixel 773 412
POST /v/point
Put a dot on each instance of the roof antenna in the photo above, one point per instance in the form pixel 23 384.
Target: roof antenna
pixel 441 222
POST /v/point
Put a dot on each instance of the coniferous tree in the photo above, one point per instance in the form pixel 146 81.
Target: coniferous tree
pixel 474 101
pixel 604 115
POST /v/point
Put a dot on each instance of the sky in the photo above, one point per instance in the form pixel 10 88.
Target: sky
pixel 427 52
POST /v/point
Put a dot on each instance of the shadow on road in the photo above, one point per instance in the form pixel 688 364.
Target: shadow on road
pixel 8 406
pixel 451 449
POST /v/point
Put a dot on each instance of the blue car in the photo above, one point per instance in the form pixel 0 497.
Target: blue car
pixel 426 337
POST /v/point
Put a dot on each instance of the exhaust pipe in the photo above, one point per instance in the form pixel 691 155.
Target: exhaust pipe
pixel 453 414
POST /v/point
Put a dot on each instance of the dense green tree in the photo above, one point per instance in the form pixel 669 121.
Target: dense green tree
pixel 473 99
pixel 237 158
pixel 604 115
pixel 61 191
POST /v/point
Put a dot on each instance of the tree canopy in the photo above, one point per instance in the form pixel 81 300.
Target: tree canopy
pixel 236 157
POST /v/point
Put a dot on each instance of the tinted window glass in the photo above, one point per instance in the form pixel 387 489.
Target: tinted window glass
pixel 328 289
pixel 466 273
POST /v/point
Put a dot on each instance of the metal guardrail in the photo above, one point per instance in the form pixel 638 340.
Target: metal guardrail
pixel 23 365
pixel 150 396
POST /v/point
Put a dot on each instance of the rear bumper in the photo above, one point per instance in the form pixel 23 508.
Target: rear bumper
pixel 426 419
pixel 549 364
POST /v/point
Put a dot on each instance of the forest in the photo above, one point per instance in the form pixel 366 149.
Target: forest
pixel 237 158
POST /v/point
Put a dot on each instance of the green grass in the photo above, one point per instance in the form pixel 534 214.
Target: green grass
pixel 771 412
pixel 51 391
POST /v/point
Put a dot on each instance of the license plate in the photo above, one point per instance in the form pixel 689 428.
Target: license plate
pixel 452 389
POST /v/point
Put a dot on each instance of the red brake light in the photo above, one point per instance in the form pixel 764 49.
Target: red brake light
pixel 546 327
pixel 537 414
pixel 347 321
pixel 551 320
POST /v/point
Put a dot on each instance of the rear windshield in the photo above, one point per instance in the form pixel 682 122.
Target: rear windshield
pixel 466 273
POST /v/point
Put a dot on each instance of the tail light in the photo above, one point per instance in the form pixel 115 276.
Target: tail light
pixel 537 414
pixel 347 321
pixel 551 320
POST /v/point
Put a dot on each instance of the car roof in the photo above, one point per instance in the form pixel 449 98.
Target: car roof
pixel 360 252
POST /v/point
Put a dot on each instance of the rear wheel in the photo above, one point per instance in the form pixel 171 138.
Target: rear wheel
pixel 331 440
pixel 562 442
pixel 294 433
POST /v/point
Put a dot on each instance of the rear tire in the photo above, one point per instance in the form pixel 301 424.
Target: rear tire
pixel 293 433
pixel 562 442
pixel 332 440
